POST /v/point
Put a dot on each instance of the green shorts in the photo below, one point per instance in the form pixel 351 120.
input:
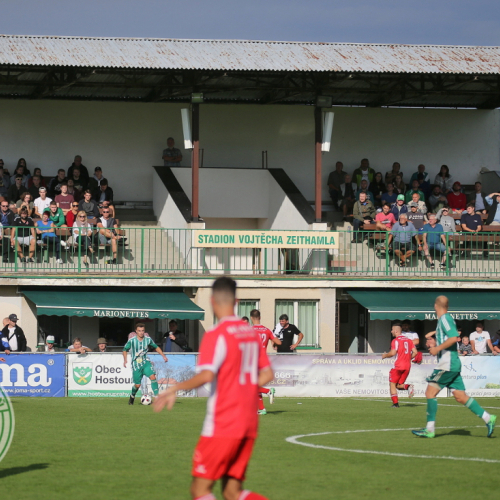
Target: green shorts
pixel 442 378
pixel 145 371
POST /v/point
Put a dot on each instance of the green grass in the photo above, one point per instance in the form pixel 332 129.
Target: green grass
pixel 103 449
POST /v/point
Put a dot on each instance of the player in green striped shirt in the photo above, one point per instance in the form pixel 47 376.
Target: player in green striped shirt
pixel 447 373
pixel 141 366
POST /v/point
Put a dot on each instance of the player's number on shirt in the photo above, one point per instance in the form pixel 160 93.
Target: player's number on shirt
pixel 249 361
pixel 406 348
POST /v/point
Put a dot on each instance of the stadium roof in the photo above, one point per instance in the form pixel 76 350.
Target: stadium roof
pixel 248 71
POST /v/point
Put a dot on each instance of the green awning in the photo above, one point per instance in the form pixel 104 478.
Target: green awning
pixel 106 303
pixel 419 304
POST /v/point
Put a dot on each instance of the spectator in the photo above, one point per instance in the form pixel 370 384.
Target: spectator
pixel 418 219
pixel 347 195
pixel 399 207
pixel 109 204
pixel 7 217
pixel 385 219
pixel 71 215
pixel 446 220
pixel 471 222
pixel 77 195
pixel 26 201
pixel 174 339
pixel 22 171
pixel 414 189
pixel 464 348
pixel 421 206
pixel 37 171
pixel 36 184
pixel 495 342
pixel 109 233
pixel 95 181
pixel 287 334
pixel 4 182
pixel 409 333
pixel 390 196
pixel 89 205
pixel 103 193
pixel 13 334
pixel 377 188
pixel 82 232
pixel 364 213
pixel 56 215
pixel 42 202
pixel 64 200
pixel 335 180
pixel 434 240
pixel 46 228
pixel 424 186
pixel 457 200
pixel 102 345
pixel 79 182
pixel 479 199
pixel 172 156
pixel 364 189
pixel 55 183
pixel 444 180
pixel 364 171
pixel 403 233
pixel 78 347
pixel 391 175
pixel 82 169
pixel 24 230
pixel 49 344
pixel 480 339
pixel 420 171
pixel 16 189
pixel 399 185
pixel 437 200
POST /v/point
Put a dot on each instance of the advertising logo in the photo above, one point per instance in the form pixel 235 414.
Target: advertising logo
pixel 82 373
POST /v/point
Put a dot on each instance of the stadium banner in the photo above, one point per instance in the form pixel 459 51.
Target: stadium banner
pixel 481 375
pixel 265 239
pixel 33 375
pixel 103 375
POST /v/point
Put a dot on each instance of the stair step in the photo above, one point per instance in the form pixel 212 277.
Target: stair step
pixel 135 217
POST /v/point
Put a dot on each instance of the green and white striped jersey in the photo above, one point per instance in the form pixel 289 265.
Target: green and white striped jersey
pixel 447 358
pixel 138 350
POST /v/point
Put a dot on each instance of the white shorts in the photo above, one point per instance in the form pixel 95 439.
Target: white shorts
pixel 24 240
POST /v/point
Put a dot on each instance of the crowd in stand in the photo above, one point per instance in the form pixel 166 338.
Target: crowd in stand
pixel 46 211
pixel 417 211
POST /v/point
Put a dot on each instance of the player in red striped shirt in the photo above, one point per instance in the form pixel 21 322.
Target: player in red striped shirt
pixel 265 335
pixel 232 360
pixel 404 350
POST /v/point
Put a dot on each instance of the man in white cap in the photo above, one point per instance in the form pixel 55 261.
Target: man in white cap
pixel 49 344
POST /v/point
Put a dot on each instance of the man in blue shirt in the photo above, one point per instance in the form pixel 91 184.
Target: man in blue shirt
pixel 471 222
pixel 390 196
pixel 434 240
pixel 403 233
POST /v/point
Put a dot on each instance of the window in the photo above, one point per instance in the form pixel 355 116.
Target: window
pixel 245 306
pixel 304 315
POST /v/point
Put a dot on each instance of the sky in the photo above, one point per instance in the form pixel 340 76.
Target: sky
pixel 450 22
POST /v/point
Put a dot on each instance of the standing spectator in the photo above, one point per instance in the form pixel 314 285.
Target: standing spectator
pixel 335 180
pixel 446 220
pixel 89 205
pixel 46 228
pixel 64 200
pixel 77 164
pixel 4 181
pixel 377 188
pixel 364 213
pixel 42 202
pixel 102 345
pixel 71 215
pixel 420 171
pixel 14 335
pixel 79 182
pixel 26 201
pixel 444 180
pixel 403 233
pixel 103 193
pixel 95 181
pixel 437 200
pixel 364 189
pixel 385 219
pixel 471 222
pixel 464 348
pixel 364 171
pixel 172 156
pixel 399 207
pixel 56 215
pixel 36 184
pixel 108 233
pixel 49 344
pixel 434 240
pixel 77 195
pixel 399 185
pixel 479 199
pixel 390 196
pixel 347 195
pixel 414 189
pixel 55 183
pixel 480 339
pixel 37 171
pixel 286 335
pixel 82 232
pixel 7 217
pixel 24 234
pixel 16 189
pixel 174 339
pixel 456 199
pixel 409 333
pixel 391 175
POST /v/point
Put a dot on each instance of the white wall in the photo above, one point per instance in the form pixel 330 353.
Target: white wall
pixel 126 139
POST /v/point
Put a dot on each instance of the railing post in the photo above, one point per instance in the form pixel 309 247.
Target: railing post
pixel 16 266
pixel 79 243
pixel 448 272
pixel 387 260
pixel 142 250
pixel 265 260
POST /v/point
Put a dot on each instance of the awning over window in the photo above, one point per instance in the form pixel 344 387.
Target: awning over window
pixel 419 304
pixel 114 303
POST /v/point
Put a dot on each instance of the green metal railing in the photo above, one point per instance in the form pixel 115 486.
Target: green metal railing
pixel 150 251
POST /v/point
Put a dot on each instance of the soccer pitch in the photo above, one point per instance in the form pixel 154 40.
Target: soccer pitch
pixel 104 449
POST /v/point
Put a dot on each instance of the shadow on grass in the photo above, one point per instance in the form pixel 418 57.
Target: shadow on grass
pixel 456 432
pixel 21 470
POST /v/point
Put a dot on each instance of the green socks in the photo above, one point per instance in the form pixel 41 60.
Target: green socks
pixel 475 408
pixel 432 408
pixel 134 390
pixel 154 385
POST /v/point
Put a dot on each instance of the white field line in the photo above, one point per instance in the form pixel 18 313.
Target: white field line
pixel 388 401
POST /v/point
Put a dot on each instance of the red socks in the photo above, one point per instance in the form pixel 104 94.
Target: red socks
pixel 261 403
pixel 406 387
pixel 250 495
pixel 394 399
pixel 210 496
pixel 264 390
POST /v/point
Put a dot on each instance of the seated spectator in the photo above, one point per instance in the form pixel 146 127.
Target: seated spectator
pixel 464 348
pixel 457 200
pixel 42 202
pixel 385 219
pixel 172 156
pixel 399 207
pixel 391 175
pixel 403 233
pixel 377 188
pixel 479 199
pixel 26 201
pixel 71 215
pixel 16 189
pixel 79 182
pixel 335 180
pixel 109 234
pixel 78 347
pixel 364 213
pixel 46 228
pixel 418 219
pixel 95 181
pixel 64 200
pixel 23 234
pixel 437 200
pixel 4 182
pixel 89 205
pixel 399 185
pixel 414 189
pixel 434 241
pixel 49 347
pixel 420 171
pixel 36 184
pixel 7 217
pixel 37 172
pixel 446 220
pixel 102 345
pixel 103 193
pixel 364 171
pixel 364 189
pixel 421 206
pixel 493 200
pixel 56 215
pixel 480 339
pixel 471 222
pixel 20 170
pixel 77 195
pixel 55 183
pixel 108 204
pixel 444 180
pixel 390 196
pixel 82 233
pixel 424 186
pixel 82 169
pixel 347 195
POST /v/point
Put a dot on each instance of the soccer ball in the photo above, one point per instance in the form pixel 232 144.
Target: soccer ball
pixel 146 399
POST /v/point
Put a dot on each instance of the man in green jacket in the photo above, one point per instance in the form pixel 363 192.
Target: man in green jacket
pixel 56 215
pixel 364 171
